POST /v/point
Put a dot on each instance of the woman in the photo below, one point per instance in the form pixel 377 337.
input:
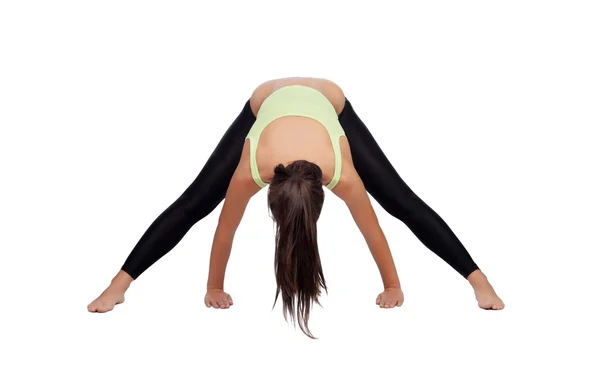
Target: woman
pixel 298 135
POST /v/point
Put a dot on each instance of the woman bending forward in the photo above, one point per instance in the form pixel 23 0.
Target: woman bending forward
pixel 297 135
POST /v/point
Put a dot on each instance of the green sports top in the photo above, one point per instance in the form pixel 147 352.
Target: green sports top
pixel 297 100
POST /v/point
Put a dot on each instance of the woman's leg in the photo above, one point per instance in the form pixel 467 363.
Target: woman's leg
pixel 393 194
pixel 197 201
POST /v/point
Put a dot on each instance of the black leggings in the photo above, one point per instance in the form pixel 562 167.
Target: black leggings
pixel 379 176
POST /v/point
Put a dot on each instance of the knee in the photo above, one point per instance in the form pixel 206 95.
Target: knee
pixel 408 209
pixel 195 207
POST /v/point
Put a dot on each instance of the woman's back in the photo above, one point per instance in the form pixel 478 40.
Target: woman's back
pixel 291 138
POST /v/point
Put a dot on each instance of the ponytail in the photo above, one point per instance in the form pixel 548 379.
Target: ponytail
pixel 295 200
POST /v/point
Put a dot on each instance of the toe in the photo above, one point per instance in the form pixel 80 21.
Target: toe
pixel 105 308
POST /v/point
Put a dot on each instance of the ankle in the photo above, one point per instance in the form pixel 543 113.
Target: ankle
pixel 477 279
pixel 121 281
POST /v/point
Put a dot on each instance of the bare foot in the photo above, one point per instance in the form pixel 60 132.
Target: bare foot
pixel 488 300
pixel 484 292
pixel 113 295
pixel 107 300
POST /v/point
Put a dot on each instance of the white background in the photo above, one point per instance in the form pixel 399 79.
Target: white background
pixel 488 110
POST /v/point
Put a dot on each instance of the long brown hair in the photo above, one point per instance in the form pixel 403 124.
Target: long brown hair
pixel 295 200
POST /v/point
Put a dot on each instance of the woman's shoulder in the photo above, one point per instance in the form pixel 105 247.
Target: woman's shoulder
pixel 349 178
pixel 243 174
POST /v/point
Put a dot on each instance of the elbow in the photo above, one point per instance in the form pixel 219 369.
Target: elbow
pixel 374 235
pixel 223 234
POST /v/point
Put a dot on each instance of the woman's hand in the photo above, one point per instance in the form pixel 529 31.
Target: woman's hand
pixel 390 297
pixel 217 298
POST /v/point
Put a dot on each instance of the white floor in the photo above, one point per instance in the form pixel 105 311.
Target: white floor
pixel 488 111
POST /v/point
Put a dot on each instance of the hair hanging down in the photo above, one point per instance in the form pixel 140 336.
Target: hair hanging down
pixel 295 200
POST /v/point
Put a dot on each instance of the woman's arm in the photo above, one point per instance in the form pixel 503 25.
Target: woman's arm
pixel 352 191
pixel 241 189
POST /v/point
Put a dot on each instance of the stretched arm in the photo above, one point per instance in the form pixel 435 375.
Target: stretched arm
pixel 352 191
pixel 241 189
